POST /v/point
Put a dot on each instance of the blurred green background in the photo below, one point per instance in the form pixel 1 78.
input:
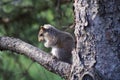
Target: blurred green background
pixel 22 19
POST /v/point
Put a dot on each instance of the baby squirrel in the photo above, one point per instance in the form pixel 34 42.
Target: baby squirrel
pixel 62 43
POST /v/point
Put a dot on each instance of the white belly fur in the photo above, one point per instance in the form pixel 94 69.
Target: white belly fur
pixel 54 51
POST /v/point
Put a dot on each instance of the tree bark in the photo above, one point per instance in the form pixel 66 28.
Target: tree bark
pixel 97 34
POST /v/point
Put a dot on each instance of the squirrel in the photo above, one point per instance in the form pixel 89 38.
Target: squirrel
pixel 62 43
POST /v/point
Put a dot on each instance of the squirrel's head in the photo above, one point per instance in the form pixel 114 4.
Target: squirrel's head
pixel 45 30
pixel 41 33
pixel 47 26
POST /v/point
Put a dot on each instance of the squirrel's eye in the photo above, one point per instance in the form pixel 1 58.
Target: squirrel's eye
pixel 40 34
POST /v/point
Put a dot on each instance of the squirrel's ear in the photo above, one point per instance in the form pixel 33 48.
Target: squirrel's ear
pixel 41 27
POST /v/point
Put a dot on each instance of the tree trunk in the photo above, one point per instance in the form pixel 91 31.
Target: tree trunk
pixel 97 31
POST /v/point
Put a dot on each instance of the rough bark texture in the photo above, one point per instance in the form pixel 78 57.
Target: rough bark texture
pixel 97 32
pixel 108 39
pixel 18 46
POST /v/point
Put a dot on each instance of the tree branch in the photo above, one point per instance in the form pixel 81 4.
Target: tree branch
pixel 41 57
